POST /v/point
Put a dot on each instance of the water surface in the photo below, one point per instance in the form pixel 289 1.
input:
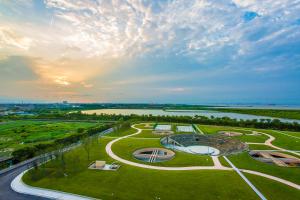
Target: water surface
pixel 159 112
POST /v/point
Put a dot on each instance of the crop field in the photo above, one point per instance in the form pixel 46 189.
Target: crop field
pixel 17 134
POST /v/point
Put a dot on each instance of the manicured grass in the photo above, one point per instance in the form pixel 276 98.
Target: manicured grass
pixel 18 134
pixel 147 134
pixel 245 161
pixel 143 126
pixel 281 140
pixel 137 183
pixel 259 147
pixel 223 161
pixel 291 133
pixel 122 132
pixel 273 189
pixel 244 138
pixel 252 138
pixel 126 147
pixel 210 129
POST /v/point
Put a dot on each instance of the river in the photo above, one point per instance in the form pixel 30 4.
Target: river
pixel 157 112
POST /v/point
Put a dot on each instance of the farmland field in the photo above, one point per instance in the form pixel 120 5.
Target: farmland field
pixel 18 134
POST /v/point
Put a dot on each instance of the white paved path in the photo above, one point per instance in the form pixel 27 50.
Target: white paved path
pixel 269 141
pixel 114 156
pixel 294 185
pixel 19 186
pixel 199 130
pixel 217 164
pixel 261 196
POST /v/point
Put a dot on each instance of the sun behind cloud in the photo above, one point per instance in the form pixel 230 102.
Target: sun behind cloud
pixel 107 48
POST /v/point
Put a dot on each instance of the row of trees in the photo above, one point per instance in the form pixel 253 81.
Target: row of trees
pixel 224 121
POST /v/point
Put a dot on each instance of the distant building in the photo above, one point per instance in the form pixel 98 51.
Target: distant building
pixel 65 102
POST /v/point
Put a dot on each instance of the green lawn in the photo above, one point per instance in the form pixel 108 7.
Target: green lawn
pixel 211 129
pixel 147 134
pixel 246 137
pixel 245 161
pixel 143 126
pixel 260 147
pixel 283 141
pixel 253 138
pixel 272 189
pixel 18 134
pixel 126 147
pixel 291 133
pixel 136 183
pixel 123 132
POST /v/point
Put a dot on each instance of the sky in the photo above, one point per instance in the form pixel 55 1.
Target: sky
pixel 162 51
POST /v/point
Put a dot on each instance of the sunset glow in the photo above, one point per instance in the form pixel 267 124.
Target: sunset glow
pixel 150 51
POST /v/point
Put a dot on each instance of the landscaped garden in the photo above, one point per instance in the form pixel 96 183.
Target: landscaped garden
pixel 136 182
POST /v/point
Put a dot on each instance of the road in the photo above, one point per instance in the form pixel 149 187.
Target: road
pixel 6 193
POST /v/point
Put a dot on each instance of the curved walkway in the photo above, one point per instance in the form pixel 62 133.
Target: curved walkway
pixel 294 185
pixel 114 156
pixel 40 193
pixel 269 141
pixel 217 164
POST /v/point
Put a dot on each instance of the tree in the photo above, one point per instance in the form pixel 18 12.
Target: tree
pixel 87 143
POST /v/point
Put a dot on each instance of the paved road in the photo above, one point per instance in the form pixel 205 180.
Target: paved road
pixel 6 193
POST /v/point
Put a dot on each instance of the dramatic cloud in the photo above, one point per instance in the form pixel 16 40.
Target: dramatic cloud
pixel 9 39
pixel 196 28
pixel 89 47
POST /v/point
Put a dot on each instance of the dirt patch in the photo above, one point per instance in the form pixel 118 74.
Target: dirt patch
pixel 230 133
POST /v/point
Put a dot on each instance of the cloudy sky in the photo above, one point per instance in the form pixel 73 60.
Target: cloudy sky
pixel 163 51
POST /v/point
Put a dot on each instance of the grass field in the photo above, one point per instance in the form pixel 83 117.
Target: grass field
pixel 282 140
pixel 137 183
pixel 245 161
pixel 260 147
pixel 180 159
pixel 17 134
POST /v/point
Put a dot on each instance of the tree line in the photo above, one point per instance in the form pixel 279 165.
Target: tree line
pixel 223 121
